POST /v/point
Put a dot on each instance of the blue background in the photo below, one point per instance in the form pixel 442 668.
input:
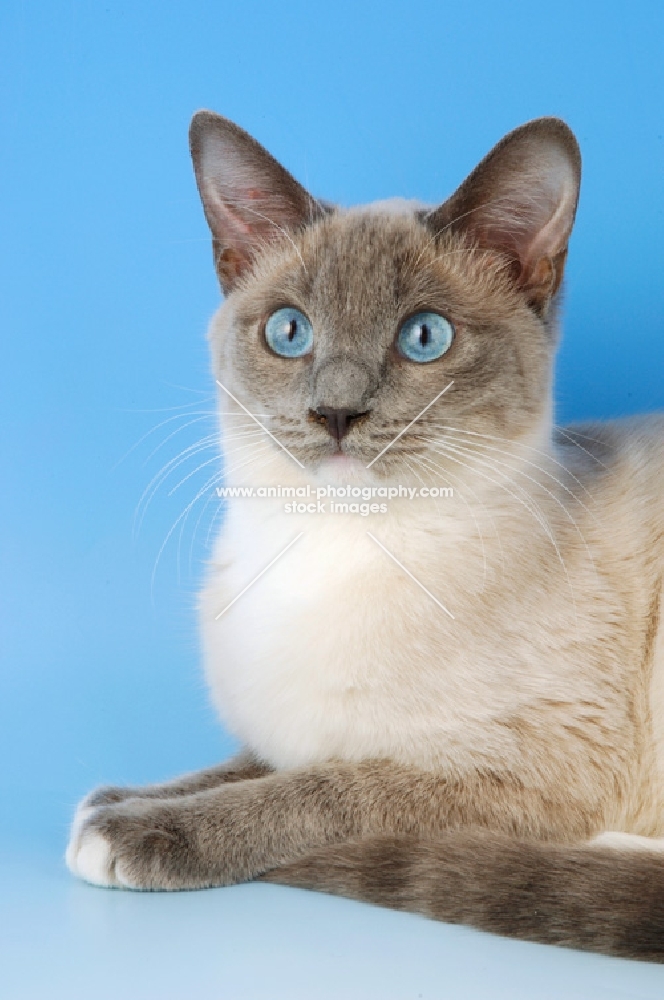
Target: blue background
pixel 107 286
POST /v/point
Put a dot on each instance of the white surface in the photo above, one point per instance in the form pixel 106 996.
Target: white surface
pixel 60 938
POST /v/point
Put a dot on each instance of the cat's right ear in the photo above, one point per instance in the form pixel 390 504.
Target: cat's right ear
pixel 249 199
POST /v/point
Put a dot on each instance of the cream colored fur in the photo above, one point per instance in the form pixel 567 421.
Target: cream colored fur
pixel 456 706
pixel 528 646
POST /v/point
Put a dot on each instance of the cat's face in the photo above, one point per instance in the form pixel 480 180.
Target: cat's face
pixel 357 278
pixel 343 326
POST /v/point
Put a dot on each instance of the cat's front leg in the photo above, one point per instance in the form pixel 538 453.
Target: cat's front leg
pixel 236 832
pixel 218 836
pixel 243 766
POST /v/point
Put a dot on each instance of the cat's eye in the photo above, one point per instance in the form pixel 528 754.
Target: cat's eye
pixel 425 337
pixel 289 333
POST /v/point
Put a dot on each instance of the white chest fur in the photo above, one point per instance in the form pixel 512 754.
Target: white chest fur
pixel 336 652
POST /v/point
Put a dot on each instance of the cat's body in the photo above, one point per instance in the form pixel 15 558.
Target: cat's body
pixel 337 654
pixel 492 659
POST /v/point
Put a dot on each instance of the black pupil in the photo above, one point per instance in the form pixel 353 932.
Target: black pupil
pixel 292 329
pixel 425 335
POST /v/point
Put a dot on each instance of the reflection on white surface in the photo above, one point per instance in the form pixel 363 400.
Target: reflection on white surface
pixel 63 939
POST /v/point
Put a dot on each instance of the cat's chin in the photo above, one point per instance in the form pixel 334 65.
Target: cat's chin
pixel 342 466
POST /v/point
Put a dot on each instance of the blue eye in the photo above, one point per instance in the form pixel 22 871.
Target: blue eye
pixel 425 336
pixel 289 333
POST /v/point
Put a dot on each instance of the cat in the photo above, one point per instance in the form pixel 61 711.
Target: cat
pixel 453 706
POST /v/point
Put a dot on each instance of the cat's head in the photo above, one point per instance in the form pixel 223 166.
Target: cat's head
pixel 341 326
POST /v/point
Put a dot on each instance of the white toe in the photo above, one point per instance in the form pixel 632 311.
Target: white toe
pixel 82 814
pixel 91 859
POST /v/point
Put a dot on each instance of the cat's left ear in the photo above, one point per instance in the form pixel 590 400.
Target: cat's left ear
pixel 521 201
pixel 249 199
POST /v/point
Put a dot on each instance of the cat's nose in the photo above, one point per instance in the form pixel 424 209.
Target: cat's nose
pixel 338 421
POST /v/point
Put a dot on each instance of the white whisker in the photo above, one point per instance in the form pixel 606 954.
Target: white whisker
pixel 148 493
pixel 208 484
pixel 194 420
pixel 519 444
pixel 217 477
pixel 586 437
pixel 470 511
pixel 213 496
pixel 455 476
pixel 535 513
pixel 178 416
pixel 495 462
pixel 520 472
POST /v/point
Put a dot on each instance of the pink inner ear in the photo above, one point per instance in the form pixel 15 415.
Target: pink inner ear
pixel 554 233
pixel 224 221
pixel 521 200
pixel 248 197
pixel 531 224
pixel 232 216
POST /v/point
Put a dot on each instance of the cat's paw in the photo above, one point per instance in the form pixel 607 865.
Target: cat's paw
pixel 89 853
pixel 105 795
pixel 132 845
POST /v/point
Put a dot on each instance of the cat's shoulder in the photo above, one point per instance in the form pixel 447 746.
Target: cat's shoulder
pixel 615 437
pixel 629 450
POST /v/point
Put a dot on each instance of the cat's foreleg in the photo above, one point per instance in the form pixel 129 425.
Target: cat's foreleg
pixel 240 767
pixel 235 832
pixel 243 766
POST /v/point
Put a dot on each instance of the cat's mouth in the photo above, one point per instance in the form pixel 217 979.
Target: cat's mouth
pixel 338 423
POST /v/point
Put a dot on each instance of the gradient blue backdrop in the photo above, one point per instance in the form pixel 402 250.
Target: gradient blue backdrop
pixel 107 287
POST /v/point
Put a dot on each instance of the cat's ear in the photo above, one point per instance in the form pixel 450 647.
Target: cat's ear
pixel 248 198
pixel 521 201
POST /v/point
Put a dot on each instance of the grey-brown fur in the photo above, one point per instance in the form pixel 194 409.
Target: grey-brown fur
pixel 496 833
pixel 500 366
pixel 579 897
pixel 242 767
